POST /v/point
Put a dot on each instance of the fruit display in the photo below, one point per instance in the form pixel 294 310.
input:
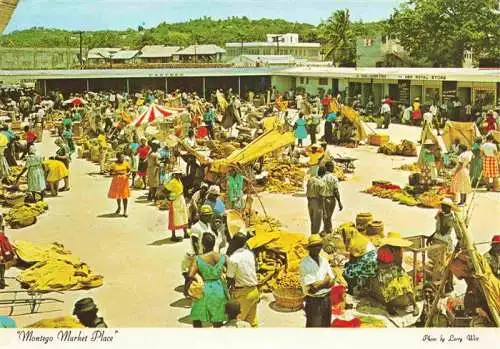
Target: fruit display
pixel 25 215
pixel 53 269
pixel 414 167
pixel 288 281
pixel 405 148
pixel 284 178
pixel 58 322
pixel 407 196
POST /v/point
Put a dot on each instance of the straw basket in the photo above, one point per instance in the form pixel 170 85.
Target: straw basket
pixel 362 220
pixel 375 228
pixel 289 298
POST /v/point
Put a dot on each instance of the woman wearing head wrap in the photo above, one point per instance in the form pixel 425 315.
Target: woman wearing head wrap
pixel 119 189
pixel 362 265
pixel 392 285
pixel 178 216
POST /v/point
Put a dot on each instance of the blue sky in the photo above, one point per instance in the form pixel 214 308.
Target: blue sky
pixel 122 14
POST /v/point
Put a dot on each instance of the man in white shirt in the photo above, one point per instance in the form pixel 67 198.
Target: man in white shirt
pixel 242 279
pixel 386 113
pixel 316 277
pixel 298 101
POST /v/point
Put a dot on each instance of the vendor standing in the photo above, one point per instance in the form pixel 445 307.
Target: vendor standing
pixel 314 192
pixel 177 211
pixel 331 196
pixel 235 188
pixel 442 235
pixel 493 256
pixel 316 277
pixel 490 161
pixel 209 120
pixel 143 152
pixel 427 162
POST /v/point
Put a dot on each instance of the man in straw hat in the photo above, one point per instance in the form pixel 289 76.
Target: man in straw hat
pixel 316 277
pixel 442 235
pixel 493 256
pixel 392 285
pixel 86 312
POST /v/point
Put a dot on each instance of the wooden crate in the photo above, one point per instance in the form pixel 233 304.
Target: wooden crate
pixel 378 139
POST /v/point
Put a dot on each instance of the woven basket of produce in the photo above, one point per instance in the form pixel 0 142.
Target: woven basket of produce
pixel 291 299
pixel 14 199
pixel 362 220
pixel 375 228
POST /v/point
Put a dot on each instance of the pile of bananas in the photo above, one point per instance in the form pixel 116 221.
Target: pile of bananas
pixel 405 148
pixel 414 167
pixel 26 215
pixel 58 322
pixel 431 199
pixel 220 150
pixel 284 178
pixel 269 264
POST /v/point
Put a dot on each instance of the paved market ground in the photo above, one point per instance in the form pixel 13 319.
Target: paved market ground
pixel 141 268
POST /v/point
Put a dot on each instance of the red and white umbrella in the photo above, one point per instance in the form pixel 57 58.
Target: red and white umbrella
pixel 152 114
pixel 75 101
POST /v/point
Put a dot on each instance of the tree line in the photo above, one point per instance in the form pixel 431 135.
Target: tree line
pixel 435 31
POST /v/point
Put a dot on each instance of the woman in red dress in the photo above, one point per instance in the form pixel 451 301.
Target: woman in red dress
pixel 143 152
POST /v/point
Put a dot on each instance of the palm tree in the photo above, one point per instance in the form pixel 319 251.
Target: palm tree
pixel 338 38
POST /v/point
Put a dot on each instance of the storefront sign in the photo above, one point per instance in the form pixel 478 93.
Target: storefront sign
pixel 371 76
pixel 404 92
pixel 422 77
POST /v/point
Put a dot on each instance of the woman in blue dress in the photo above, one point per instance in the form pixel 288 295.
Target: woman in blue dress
pixel 300 130
pixel 210 308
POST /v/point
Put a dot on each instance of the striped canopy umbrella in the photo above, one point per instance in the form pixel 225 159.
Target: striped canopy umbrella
pixel 152 114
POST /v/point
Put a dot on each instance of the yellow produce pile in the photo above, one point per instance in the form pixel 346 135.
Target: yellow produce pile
pixel 24 216
pixel 288 280
pixel 284 178
pixel 58 322
pixel 431 199
pixel 278 254
pixel 406 148
pixel 394 193
pixel 414 167
pixel 221 150
pixel 54 269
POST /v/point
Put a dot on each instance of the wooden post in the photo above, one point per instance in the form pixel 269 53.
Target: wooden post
pixel 166 85
pixel 128 86
pixel 239 86
pixel 203 80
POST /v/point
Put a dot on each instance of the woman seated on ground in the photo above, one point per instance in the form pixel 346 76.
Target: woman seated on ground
pixel 210 265
pixel 55 171
pixel 362 265
pixel 7 253
pixel 392 285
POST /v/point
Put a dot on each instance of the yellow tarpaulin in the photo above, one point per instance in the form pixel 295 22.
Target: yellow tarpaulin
pixel 350 114
pixel 465 132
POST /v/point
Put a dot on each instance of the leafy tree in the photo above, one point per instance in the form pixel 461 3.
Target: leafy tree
pixel 439 31
pixel 339 38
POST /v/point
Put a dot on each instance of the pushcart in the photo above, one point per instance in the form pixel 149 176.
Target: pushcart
pixel 11 300
pixel 346 162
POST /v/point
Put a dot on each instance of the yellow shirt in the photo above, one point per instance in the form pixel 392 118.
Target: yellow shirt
pixel 101 139
pixel 175 187
pixel 123 167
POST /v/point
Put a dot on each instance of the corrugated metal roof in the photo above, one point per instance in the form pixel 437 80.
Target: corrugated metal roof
pixel 273 44
pixel 200 50
pixel 137 73
pixel 158 51
pixel 102 52
pixel 125 54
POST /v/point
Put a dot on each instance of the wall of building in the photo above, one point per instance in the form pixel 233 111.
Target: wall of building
pixel 369 51
pixel 38 58
pixel 283 83
pixel 310 53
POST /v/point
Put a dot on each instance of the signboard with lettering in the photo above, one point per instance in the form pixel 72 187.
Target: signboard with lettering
pixel 449 90
pixel 404 92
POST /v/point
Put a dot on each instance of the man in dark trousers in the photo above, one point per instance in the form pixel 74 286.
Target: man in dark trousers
pixel 314 193
pixel 331 196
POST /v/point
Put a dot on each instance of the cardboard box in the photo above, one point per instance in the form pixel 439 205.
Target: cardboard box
pixel 378 139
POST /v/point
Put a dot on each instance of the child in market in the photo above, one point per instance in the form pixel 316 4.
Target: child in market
pixel 232 311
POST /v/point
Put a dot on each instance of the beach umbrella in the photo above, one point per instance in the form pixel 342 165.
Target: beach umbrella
pixel 75 101
pixel 152 114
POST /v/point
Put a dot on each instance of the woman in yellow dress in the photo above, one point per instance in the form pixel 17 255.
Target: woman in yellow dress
pixel 119 188
pixel 177 211
pixel 55 171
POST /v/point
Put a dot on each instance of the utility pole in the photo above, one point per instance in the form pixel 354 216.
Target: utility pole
pixel 81 49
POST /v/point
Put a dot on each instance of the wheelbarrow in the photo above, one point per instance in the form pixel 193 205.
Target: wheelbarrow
pixel 33 300
pixel 346 162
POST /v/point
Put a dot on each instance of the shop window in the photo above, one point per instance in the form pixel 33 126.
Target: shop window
pixel 307 80
pixel 302 80
pixel 323 81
